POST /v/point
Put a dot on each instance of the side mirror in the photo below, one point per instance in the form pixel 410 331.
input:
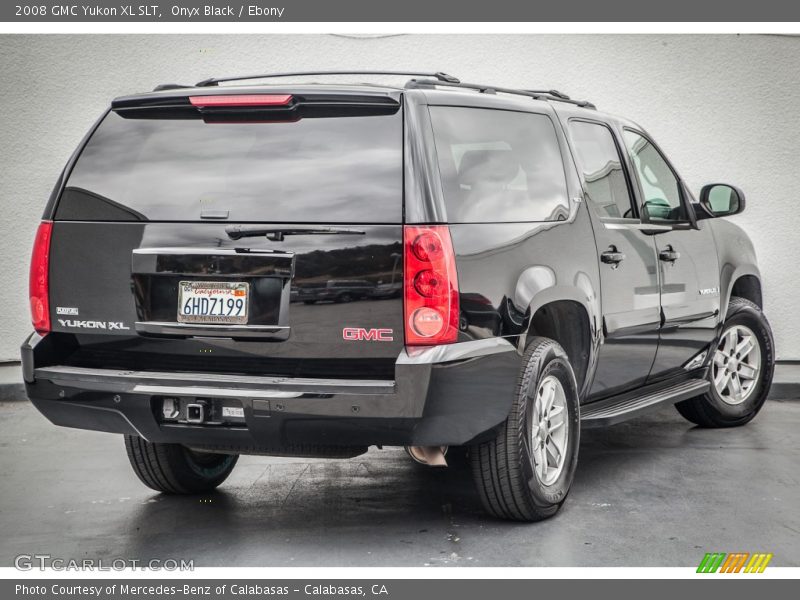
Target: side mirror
pixel 721 200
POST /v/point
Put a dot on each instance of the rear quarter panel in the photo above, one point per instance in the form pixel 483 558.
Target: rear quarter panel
pixel 507 271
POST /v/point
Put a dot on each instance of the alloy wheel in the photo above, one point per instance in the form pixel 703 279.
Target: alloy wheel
pixel 549 430
pixel 736 365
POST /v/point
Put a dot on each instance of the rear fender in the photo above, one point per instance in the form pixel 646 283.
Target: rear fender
pixel 536 289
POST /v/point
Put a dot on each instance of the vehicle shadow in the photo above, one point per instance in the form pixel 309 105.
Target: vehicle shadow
pixel 293 509
pixel 379 508
pixel 300 506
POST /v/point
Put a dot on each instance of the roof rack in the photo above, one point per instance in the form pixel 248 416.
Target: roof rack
pixel 439 76
pixel 493 89
pixel 169 86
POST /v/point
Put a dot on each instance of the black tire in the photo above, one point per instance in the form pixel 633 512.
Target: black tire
pixel 710 410
pixel 344 298
pixel 503 467
pixel 174 469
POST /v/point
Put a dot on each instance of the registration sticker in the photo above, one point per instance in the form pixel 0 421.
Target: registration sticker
pixel 233 411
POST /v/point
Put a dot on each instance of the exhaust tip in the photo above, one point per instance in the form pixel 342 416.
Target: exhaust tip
pixel 431 456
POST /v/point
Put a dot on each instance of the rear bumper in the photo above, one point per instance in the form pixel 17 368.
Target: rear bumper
pixel 443 395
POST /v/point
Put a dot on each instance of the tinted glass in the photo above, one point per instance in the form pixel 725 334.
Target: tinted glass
pixel 660 188
pixel 337 169
pixel 601 167
pixel 499 166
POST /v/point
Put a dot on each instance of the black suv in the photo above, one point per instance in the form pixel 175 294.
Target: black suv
pixel 553 272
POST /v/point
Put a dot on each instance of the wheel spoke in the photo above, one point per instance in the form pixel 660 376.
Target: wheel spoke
pixel 744 348
pixel 730 342
pixel 721 379
pixel 719 358
pixel 747 371
pixel 541 402
pixel 553 452
pixel 537 455
pixel 549 398
pixel 543 465
pixel 735 386
pixel 556 427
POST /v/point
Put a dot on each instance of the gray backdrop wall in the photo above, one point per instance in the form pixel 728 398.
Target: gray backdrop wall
pixel 724 108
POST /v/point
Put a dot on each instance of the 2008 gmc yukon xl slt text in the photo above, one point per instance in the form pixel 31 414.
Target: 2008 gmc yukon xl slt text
pixel 312 269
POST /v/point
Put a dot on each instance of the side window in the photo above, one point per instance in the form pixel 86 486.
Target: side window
pixel 660 188
pixel 499 166
pixel 601 167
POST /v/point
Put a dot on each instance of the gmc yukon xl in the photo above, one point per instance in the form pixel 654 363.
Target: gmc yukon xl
pixel 313 269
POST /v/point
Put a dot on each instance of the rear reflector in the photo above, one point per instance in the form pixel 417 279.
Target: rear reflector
pixel 38 283
pixel 242 100
pixel 431 286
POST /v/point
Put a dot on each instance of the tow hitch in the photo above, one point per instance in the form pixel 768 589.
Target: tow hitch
pixel 195 413
pixel 200 411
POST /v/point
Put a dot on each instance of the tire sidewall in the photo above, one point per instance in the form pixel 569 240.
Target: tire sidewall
pixel 553 362
pixel 753 319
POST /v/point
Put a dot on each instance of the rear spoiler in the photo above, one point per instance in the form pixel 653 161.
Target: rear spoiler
pixel 235 104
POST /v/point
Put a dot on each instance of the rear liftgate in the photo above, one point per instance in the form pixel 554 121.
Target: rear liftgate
pixel 238 293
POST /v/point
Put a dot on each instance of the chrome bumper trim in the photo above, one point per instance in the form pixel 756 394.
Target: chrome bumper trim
pixel 215 384
pixel 169 329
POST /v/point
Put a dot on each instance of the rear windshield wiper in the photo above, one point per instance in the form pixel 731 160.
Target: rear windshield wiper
pixel 277 234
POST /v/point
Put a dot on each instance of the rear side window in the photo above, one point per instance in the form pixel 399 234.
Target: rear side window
pixel 334 169
pixel 499 166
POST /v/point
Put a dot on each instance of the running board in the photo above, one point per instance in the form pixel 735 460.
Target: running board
pixel 618 409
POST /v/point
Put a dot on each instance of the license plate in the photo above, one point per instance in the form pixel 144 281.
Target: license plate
pixel 218 302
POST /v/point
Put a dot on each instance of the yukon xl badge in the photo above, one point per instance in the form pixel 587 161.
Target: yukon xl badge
pixel 109 325
pixel 709 291
pixel 360 334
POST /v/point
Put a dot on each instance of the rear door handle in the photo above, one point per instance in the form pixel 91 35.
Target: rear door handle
pixel 612 257
pixel 669 255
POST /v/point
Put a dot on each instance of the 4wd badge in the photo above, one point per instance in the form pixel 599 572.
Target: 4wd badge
pixel 359 334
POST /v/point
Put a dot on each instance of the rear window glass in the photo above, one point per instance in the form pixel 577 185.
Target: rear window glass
pixel 499 166
pixel 333 169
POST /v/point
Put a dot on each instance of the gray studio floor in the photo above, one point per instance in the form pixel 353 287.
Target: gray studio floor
pixel 652 492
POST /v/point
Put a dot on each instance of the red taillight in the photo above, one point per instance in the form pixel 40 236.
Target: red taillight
pixel 38 284
pixel 243 100
pixel 431 286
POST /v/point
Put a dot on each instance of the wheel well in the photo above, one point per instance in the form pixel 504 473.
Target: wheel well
pixel 749 288
pixel 566 322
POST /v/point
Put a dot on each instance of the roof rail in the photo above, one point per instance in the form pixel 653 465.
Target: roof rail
pixel 169 86
pixel 492 89
pixel 439 76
